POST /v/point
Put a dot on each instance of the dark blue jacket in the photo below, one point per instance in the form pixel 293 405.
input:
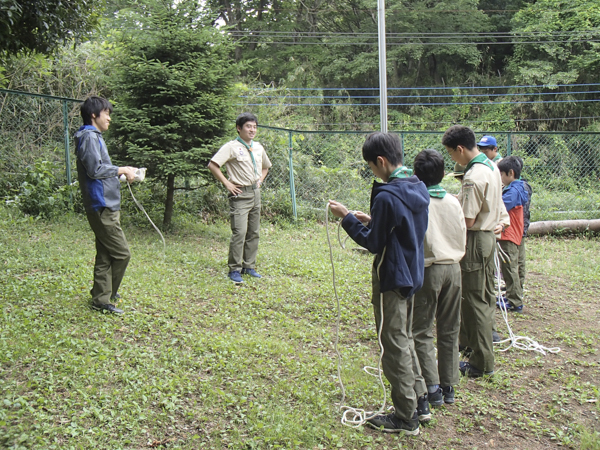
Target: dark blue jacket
pixel 100 187
pixel 399 214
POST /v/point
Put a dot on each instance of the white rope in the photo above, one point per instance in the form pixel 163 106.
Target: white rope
pixel 139 205
pixel 355 417
pixel 516 341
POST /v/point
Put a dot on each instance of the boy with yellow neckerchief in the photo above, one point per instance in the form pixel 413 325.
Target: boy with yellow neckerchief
pixel 481 198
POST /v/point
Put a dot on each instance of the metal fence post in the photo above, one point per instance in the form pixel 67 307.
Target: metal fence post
pixel 508 144
pixel 292 187
pixel 67 155
pixel 402 145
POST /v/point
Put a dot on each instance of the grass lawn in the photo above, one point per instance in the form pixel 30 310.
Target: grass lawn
pixel 197 362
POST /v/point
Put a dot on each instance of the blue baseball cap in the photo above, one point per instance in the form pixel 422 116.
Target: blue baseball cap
pixel 487 141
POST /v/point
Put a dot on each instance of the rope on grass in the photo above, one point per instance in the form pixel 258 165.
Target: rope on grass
pixel 139 205
pixel 516 341
pixel 354 417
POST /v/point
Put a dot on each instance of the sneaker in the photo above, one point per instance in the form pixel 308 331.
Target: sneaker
pixel 436 398
pixel 108 307
pixel 471 371
pixel 503 303
pixel 251 272
pixel 389 423
pixel 496 337
pixel 448 392
pixel 517 309
pixel 423 410
pixel 235 276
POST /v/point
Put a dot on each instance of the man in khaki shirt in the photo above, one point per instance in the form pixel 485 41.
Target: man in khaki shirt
pixel 481 198
pixel 247 165
pixel 439 298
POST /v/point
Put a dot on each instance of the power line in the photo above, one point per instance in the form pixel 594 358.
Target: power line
pixel 523 86
pixel 420 104
pixel 420 96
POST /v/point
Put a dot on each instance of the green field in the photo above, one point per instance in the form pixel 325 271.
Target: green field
pixel 197 362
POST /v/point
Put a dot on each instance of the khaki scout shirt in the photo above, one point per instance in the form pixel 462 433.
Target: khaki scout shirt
pixel 446 235
pixel 238 162
pixel 481 197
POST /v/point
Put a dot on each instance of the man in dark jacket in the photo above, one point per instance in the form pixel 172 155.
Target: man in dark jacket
pixel 395 232
pixel 100 190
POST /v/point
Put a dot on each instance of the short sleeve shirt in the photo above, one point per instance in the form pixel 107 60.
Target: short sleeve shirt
pixel 481 197
pixel 238 162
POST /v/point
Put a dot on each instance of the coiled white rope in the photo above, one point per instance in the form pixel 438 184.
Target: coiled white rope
pixel 516 341
pixel 139 205
pixel 355 417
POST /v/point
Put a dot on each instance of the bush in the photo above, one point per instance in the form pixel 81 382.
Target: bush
pixel 41 195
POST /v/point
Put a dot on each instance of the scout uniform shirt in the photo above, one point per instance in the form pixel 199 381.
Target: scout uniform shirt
pixel 446 235
pixel 241 170
pixel 481 194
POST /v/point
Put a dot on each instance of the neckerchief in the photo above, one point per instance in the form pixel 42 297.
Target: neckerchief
pixel 481 159
pixel 249 148
pixel 436 191
pixel 401 172
pixel 497 158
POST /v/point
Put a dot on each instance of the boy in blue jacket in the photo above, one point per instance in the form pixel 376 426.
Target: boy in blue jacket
pixel 100 191
pixel 394 232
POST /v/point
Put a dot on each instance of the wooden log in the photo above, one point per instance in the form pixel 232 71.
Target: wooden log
pixel 563 226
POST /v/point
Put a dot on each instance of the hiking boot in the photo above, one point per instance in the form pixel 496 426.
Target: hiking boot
pixel 495 337
pixel 423 410
pixel 251 272
pixel 471 371
pixel 235 276
pixel 389 423
pixel 436 398
pixel 448 392
pixel 109 307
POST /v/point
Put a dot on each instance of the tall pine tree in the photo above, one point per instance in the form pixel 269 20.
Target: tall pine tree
pixel 173 93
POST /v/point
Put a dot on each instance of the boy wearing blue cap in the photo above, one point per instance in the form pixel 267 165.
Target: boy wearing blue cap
pixel 489 147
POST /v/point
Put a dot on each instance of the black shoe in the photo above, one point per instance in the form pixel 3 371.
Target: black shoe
pixel 115 297
pixel 471 371
pixel 108 307
pixel 436 398
pixel 448 392
pixel 465 350
pixel 389 423
pixel 423 410
pixel 495 337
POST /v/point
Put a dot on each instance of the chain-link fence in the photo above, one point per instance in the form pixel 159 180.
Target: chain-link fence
pixel 311 167
pixel 33 128
pixel 563 169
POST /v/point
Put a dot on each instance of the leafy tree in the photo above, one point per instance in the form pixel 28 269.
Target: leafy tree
pixel 173 92
pixel 42 26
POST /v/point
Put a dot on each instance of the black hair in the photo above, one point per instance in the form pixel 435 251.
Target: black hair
pixel 459 135
pixel 94 106
pixel 245 117
pixel 510 163
pixel 387 145
pixel 520 162
pixel 429 167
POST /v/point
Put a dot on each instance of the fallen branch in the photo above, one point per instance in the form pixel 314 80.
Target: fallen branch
pixel 562 226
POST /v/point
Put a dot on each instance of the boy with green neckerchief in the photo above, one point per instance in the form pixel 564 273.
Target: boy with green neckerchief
pixel 481 199
pixel 439 298
pixel 247 166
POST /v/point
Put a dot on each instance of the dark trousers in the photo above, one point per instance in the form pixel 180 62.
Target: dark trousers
pixel 112 254
pixel 478 303
pixel 400 364
pixel 438 299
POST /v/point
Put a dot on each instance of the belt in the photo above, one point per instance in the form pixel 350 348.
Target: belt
pixel 249 188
